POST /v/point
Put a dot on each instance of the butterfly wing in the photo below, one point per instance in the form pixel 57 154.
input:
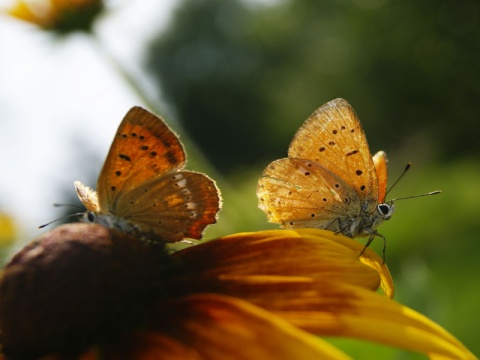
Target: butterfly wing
pixel 87 196
pixel 143 148
pixel 380 162
pixel 333 138
pixel 172 207
pixel 301 193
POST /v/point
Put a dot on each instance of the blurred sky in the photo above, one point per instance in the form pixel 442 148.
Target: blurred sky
pixel 57 95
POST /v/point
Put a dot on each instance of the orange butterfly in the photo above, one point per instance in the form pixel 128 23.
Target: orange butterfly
pixel 142 187
pixel 329 180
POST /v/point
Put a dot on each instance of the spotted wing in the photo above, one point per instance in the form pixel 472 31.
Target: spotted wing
pixel 171 207
pixel 301 193
pixel 380 162
pixel 143 149
pixel 333 138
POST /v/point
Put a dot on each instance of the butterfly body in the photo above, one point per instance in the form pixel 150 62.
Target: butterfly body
pixel 365 223
pixel 142 187
pixel 329 180
pixel 111 221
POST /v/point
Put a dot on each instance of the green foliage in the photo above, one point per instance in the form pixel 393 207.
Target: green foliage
pixel 80 19
pixel 433 248
pixel 243 78
pixel 361 350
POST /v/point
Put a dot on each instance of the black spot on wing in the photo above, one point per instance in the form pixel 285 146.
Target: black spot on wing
pixel 171 157
pixel 124 157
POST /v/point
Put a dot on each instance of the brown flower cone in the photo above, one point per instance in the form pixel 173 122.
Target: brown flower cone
pixel 72 286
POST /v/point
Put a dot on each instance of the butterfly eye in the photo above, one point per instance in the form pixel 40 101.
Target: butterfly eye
pixel 385 210
pixel 91 216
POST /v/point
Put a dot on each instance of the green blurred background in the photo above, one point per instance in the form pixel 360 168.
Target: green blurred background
pixel 242 76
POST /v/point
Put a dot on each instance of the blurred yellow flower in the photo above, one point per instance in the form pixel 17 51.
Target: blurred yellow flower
pixel 260 295
pixel 60 16
pixel 8 230
pixel 8 234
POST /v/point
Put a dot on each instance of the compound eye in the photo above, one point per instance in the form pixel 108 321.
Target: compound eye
pixel 91 216
pixel 385 210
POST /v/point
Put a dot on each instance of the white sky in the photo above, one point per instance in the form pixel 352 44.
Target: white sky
pixel 61 101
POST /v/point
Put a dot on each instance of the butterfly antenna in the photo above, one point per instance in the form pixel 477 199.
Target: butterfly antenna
pixel 62 218
pixel 71 205
pixel 415 196
pixel 407 167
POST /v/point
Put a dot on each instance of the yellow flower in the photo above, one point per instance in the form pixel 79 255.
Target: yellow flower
pixel 8 230
pixel 261 295
pixel 60 16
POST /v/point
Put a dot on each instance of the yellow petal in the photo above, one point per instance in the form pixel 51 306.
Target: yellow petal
pixel 315 280
pixel 40 15
pixel 220 327
pixel 278 270
pixel 362 314
pixel 59 16
pixel 371 259
pixel 214 327
pixel 303 255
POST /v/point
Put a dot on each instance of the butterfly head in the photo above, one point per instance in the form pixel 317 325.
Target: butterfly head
pixel 384 211
pixel 109 221
pixel 366 223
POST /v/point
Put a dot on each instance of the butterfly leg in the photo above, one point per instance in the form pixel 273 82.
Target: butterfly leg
pixel 333 222
pixel 370 239
pixel 344 227
pixel 133 230
pixel 339 225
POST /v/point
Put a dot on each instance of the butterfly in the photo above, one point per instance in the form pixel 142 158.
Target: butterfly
pixel 329 180
pixel 142 187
